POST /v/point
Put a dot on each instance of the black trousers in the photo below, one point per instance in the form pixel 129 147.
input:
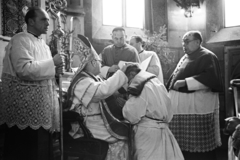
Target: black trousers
pixel 27 144
pixel 211 155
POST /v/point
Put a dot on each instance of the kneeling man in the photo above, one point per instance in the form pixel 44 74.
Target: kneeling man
pixel 149 110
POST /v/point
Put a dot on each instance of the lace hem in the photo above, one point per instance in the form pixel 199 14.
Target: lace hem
pixel 22 127
pixel 32 104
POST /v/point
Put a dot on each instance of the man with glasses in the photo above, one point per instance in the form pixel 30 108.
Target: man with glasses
pixel 194 87
pixel 90 92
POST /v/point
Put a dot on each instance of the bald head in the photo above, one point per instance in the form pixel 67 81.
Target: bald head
pixel 37 20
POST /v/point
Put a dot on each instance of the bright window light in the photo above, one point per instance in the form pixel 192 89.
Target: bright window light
pixel 112 12
pixel 232 11
pixel 125 13
pixel 134 13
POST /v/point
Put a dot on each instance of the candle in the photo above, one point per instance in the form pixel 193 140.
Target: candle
pixel 70 36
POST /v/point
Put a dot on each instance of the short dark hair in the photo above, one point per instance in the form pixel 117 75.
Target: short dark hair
pixel 138 38
pixel 31 14
pixel 118 29
pixel 196 35
pixel 132 68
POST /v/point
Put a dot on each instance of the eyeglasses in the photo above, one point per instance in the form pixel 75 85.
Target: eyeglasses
pixel 99 60
pixel 187 41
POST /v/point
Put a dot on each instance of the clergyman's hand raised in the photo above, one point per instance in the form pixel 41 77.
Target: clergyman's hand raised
pixel 113 68
pixel 125 66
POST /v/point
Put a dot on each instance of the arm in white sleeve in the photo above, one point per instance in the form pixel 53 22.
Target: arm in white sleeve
pixel 108 87
pixel 26 66
pixel 134 109
pixel 88 90
pixel 193 84
pixel 104 71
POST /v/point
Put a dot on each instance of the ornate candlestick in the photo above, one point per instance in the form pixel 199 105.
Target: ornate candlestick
pixel 55 8
pixel 70 52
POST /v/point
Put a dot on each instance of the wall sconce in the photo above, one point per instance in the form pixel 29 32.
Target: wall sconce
pixel 188 5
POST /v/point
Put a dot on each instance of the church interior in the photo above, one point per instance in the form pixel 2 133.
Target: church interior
pixel 167 20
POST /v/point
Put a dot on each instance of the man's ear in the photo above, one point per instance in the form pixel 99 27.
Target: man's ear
pixel 93 63
pixel 199 42
pixel 30 21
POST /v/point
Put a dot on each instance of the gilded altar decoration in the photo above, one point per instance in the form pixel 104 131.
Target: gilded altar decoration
pixel 13 12
pixel 55 6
